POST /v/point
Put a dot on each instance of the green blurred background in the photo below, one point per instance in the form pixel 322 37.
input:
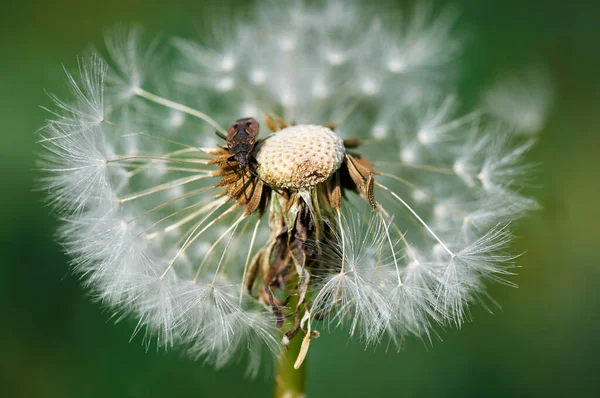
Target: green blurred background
pixel 54 342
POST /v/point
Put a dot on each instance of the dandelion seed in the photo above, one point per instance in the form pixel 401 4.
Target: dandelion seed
pixel 347 192
pixel 523 99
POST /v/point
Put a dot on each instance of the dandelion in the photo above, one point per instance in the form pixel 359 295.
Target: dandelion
pixel 344 187
pixel 522 100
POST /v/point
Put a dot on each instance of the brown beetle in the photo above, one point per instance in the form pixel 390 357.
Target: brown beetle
pixel 241 138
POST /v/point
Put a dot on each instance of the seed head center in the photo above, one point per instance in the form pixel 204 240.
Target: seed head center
pixel 299 157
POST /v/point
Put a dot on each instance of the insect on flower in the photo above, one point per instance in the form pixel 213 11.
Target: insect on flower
pixel 386 226
pixel 241 138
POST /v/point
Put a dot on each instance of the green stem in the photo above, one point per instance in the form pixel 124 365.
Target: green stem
pixel 290 382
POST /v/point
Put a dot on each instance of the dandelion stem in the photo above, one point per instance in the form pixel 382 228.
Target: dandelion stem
pixel 177 106
pixel 290 382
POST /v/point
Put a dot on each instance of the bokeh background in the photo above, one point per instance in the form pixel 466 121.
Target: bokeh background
pixel 54 342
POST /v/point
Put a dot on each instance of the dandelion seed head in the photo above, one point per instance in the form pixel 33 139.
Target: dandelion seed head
pixel 335 58
pixel 166 224
pixel 299 156
pixel 249 109
pixel 396 65
pixel 420 195
pixel 176 119
pixel 409 154
pixel 369 87
pixel 258 76
pixel 380 131
pixel 228 63
pixel 522 99
pixel 225 84
pixel 320 90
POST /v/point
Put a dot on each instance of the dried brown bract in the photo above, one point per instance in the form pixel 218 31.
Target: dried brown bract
pixel 304 172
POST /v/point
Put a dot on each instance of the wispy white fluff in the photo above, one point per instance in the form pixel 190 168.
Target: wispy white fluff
pixel 75 160
pixel 461 277
pixel 220 330
pixel 522 99
pixel 353 292
pixel 86 107
pixel 146 232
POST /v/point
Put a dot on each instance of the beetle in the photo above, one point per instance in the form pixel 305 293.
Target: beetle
pixel 240 140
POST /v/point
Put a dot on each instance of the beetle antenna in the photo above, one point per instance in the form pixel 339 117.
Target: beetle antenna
pixel 221 135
